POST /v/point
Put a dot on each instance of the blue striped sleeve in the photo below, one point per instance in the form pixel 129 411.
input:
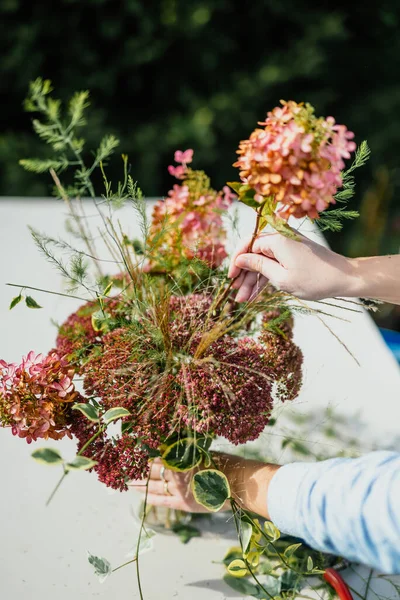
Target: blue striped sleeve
pixel 345 506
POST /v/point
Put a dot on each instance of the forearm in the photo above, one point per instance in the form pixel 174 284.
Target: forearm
pixel 249 481
pixel 375 277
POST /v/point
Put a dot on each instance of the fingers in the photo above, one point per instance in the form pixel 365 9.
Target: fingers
pixel 155 470
pixel 265 243
pixel 234 271
pixel 163 488
pixel 252 285
pixel 167 501
pixel 258 263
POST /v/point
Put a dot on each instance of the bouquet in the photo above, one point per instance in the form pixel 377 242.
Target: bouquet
pixel 159 345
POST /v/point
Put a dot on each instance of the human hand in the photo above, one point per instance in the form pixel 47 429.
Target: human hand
pixel 248 479
pixel 298 266
pixel 170 489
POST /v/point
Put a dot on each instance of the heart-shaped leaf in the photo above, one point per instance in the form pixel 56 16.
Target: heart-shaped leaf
pixel 211 489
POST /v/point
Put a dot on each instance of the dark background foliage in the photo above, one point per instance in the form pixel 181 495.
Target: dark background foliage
pixel 167 74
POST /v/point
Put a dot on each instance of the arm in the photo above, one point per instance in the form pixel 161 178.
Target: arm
pixel 311 271
pixel 349 507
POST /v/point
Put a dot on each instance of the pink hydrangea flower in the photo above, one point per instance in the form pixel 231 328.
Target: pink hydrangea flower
pixel 34 396
pixel 297 159
pixel 184 157
pixel 189 220
pixel 177 172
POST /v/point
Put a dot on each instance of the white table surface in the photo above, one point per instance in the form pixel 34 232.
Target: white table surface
pixel 43 550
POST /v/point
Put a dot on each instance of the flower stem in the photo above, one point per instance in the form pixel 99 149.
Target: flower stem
pixel 96 435
pixel 226 293
pixel 56 488
pixel 124 564
pixel 28 287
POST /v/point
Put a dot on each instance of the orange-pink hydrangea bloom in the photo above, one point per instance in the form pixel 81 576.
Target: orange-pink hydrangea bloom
pixel 295 158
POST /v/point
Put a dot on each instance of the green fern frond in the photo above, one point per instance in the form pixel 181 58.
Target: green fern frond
pixel 53 109
pixel 42 166
pixel 107 146
pixel 77 105
pixel 76 272
pixel 333 219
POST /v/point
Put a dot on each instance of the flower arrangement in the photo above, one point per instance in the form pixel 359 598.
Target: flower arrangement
pixel 159 344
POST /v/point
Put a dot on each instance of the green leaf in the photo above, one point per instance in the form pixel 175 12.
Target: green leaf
pixel 235 185
pixel 100 320
pixel 185 532
pixel 245 534
pixel 233 552
pixel 271 584
pixel 80 463
pixel 47 456
pixel 102 567
pixel 15 301
pixel 211 489
pixel 237 568
pixel 310 564
pixel 291 581
pixel 108 288
pixel 243 586
pixel 126 427
pixel 88 410
pixel 271 531
pixel 183 455
pixel 114 414
pixel 290 550
pixel 31 303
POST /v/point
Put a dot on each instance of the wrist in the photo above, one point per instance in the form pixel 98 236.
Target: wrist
pixel 349 281
pixel 359 284
pixel 249 481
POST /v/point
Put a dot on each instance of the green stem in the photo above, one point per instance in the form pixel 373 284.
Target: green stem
pixel 50 498
pixel 96 435
pixel 124 565
pixel 28 287
pixel 139 539
pixel 233 507
pixel 368 584
pixel 226 293
pixel 355 592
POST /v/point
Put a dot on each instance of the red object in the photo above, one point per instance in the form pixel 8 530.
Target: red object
pixel 338 583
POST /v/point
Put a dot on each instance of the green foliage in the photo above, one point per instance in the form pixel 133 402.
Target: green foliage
pixel 245 535
pixel 31 302
pixel 333 218
pixel 102 567
pixel 88 410
pixel 183 455
pixel 185 532
pixel 113 414
pixel 47 456
pixel 211 489
pixel 80 463
pixel 16 300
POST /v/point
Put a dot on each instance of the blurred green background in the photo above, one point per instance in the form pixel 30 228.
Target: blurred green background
pixel 168 74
